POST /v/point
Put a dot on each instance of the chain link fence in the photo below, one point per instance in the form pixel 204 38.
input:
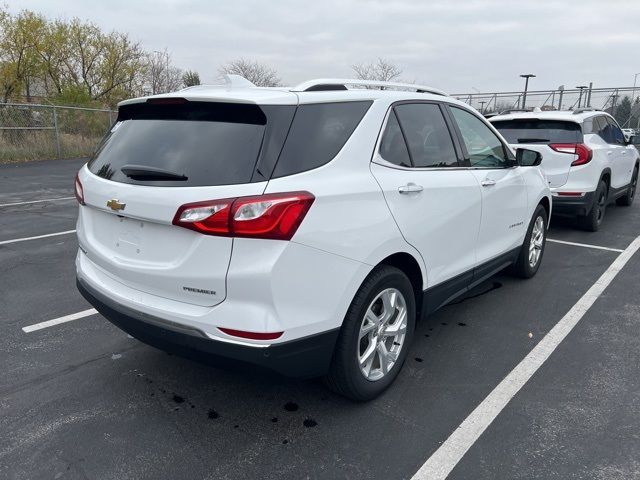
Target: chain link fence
pixel 607 99
pixel 35 132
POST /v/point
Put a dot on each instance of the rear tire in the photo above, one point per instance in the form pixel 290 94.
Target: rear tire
pixel 627 199
pixel 592 221
pixel 367 337
pixel 532 249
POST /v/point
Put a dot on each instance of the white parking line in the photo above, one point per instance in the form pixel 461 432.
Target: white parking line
pixel 57 321
pixel 585 245
pixel 35 201
pixel 447 456
pixel 16 240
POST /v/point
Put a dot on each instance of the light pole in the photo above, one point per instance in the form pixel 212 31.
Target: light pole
pixel 581 87
pixel 526 77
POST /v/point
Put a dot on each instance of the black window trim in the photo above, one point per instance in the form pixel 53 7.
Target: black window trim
pixel 380 160
pixel 466 159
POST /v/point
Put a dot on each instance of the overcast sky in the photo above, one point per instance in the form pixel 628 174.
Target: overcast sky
pixel 455 45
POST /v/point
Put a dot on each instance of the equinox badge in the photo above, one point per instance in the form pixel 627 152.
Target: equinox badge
pixel 115 205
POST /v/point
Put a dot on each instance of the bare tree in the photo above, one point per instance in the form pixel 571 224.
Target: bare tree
pixel 382 70
pixel 257 73
pixel 161 77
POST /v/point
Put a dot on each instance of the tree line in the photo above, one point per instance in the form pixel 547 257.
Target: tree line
pixel 75 62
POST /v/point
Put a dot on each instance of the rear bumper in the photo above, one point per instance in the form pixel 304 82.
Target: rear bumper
pixel 302 358
pixel 573 205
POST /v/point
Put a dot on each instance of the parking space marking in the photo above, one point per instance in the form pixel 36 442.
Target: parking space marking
pixel 447 456
pixel 16 240
pixel 585 245
pixel 35 201
pixel 58 321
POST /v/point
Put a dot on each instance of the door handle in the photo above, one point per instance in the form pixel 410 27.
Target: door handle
pixel 609 152
pixel 487 182
pixel 624 152
pixel 410 188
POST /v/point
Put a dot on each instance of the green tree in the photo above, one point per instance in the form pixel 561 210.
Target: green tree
pixel 74 61
pixel 190 78
pixel 18 40
pixel 623 110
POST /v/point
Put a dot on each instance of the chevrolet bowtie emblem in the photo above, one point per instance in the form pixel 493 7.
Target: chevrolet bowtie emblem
pixel 115 205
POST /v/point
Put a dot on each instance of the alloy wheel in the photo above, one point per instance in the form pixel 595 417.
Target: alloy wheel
pixel 537 240
pixel 382 334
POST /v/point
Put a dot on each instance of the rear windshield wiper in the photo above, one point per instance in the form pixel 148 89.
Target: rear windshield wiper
pixel 143 172
pixel 533 140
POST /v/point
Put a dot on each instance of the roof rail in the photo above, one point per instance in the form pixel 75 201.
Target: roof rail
pixel 515 110
pixel 584 109
pixel 324 84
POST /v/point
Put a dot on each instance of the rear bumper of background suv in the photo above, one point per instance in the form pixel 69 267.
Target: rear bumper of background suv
pixel 568 205
pixel 301 358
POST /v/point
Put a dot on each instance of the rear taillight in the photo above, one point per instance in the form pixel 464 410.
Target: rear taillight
pixel 585 154
pixel 79 190
pixel 275 216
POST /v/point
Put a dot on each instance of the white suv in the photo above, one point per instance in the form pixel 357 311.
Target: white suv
pixel 301 229
pixel 587 160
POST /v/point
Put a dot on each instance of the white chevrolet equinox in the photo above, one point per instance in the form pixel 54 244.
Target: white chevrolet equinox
pixel 302 229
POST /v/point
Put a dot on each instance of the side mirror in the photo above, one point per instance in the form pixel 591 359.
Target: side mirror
pixel 528 158
pixel 634 140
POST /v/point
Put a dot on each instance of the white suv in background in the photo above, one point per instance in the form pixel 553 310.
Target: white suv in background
pixel 586 158
pixel 301 229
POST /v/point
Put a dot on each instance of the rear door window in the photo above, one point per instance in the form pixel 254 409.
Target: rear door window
pixel 602 129
pixel 532 130
pixel 427 135
pixel 615 132
pixel 393 147
pixel 318 133
pixel 183 144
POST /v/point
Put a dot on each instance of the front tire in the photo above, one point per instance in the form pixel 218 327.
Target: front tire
pixel 530 256
pixel 375 336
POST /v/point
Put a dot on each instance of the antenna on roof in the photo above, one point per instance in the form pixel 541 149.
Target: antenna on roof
pixel 236 81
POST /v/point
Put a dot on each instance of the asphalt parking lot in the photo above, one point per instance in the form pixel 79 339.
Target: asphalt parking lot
pixel 82 400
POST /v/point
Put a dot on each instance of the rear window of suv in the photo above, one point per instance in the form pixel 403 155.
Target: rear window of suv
pixel 539 131
pixel 202 143
pixel 181 143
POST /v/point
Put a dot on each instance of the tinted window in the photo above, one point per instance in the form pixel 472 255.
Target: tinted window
pixel 204 142
pixel 427 135
pixel 392 147
pixel 601 127
pixel 616 132
pixel 484 148
pixel 318 133
pixel 539 131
